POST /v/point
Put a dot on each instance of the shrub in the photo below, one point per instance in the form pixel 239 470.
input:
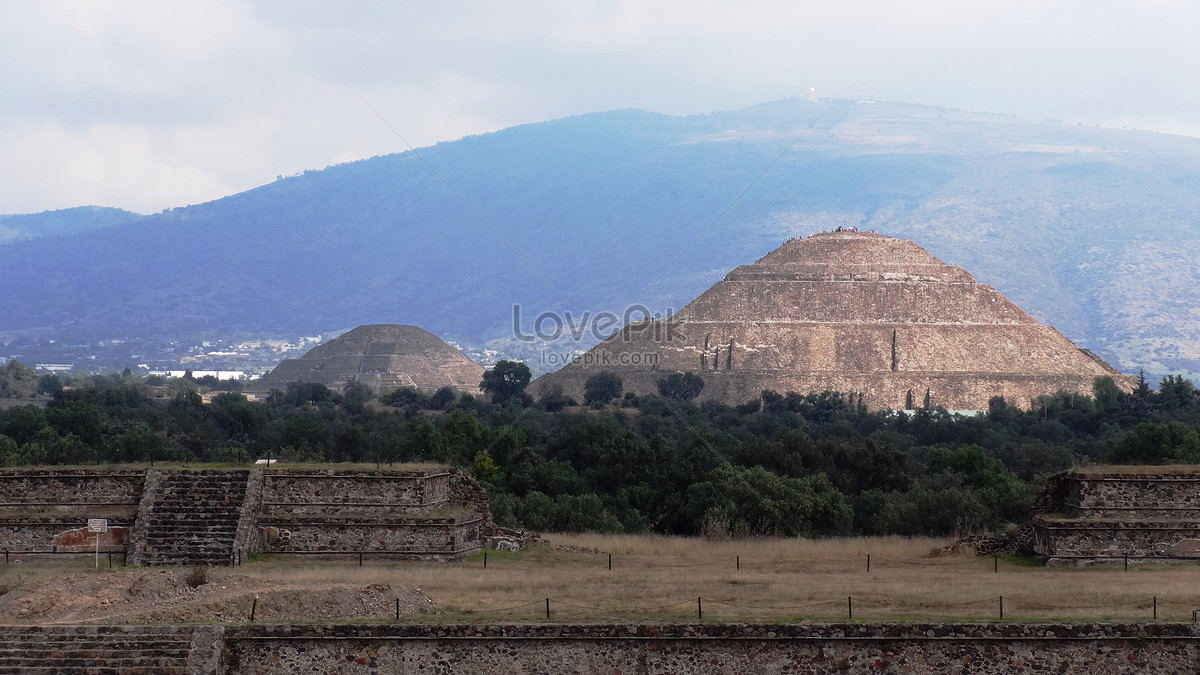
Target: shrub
pixel 196 577
pixel 601 388
pixel 681 386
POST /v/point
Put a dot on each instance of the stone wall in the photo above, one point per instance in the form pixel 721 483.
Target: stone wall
pixel 716 648
pixel 333 492
pixel 1133 495
pixel 409 513
pixel 43 511
pixel 69 488
pixel 422 537
pixel 1104 514
pixel 29 535
pixel 1065 540
pixel 727 649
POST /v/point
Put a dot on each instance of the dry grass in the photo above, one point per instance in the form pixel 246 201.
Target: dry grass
pixel 659 579
pixel 758 548
pixel 196 577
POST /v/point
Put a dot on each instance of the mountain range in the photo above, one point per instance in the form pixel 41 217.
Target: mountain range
pixel 1092 230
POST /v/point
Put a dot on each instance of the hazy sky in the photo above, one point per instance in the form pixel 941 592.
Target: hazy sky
pixel 149 105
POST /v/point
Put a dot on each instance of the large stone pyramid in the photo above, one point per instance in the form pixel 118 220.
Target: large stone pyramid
pixel 382 356
pixel 853 312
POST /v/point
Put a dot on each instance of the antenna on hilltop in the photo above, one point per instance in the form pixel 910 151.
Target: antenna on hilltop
pixel 812 93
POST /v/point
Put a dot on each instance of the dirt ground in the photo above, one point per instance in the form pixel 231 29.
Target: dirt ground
pixel 49 593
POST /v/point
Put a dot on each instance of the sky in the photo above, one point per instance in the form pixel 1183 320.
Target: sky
pixel 158 104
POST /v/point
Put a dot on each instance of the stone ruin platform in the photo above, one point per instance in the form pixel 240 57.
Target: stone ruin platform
pixel 1113 514
pixel 222 517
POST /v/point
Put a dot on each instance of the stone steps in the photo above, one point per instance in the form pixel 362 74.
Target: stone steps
pixel 194 518
pixel 185 528
pixel 206 546
pixel 92 650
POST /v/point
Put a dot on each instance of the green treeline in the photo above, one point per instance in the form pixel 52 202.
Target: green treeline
pixel 787 464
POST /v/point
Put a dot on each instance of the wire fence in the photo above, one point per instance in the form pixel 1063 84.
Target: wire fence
pixel 105 554
pixel 989 608
pixel 849 609
pixel 737 562
pixel 1007 608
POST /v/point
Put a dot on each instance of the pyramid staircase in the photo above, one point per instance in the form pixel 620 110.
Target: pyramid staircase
pixel 94 650
pixel 194 518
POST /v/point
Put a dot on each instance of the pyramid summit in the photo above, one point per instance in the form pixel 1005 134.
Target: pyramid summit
pixel 854 312
pixel 383 357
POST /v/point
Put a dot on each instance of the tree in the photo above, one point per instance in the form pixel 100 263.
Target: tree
pixel 1106 392
pixel 552 399
pixel 355 396
pixel 483 467
pixel 681 386
pixel 442 398
pixel 602 388
pixel 406 397
pixel 1175 392
pixel 1001 413
pixel 505 380
pixel 49 384
pixel 1151 443
pixel 300 393
pixel 17 380
pixel 758 502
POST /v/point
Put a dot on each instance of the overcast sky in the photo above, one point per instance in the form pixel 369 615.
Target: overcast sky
pixel 150 105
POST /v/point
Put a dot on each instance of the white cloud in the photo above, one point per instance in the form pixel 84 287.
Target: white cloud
pixel 179 102
pixel 102 164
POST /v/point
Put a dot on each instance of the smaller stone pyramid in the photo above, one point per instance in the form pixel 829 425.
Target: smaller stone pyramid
pixel 383 357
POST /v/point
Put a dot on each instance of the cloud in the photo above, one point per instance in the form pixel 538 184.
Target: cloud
pixel 101 164
pixel 193 100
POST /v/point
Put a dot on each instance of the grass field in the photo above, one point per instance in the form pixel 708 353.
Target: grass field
pixel 660 579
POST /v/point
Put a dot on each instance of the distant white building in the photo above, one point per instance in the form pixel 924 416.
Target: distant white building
pixel 219 374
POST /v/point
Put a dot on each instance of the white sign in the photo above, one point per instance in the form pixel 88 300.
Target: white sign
pixel 98 525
